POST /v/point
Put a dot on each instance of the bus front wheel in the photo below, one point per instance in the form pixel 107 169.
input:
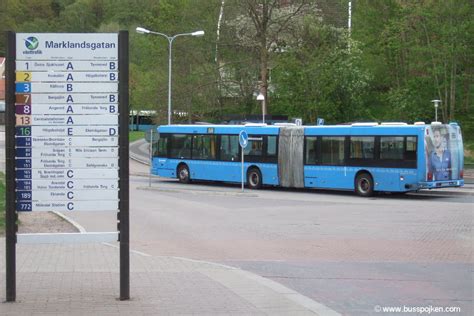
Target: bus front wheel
pixel 254 178
pixel 183 174
pixel 364 184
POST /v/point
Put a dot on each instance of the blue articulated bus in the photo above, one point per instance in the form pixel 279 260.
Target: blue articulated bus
pixel 364 157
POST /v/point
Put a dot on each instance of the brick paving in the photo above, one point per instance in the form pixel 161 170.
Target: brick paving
pixel 83 279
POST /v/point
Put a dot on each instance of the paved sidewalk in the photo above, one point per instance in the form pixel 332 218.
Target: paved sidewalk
pixel 83 279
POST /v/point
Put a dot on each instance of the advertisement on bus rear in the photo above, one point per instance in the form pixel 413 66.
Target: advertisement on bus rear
pixel 444 154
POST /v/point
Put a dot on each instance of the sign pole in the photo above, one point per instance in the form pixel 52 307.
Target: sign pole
pixel 242 149
pixel 11 215
pixel 243 142
pixel 78 135
pixel 151 157
pixel 124 199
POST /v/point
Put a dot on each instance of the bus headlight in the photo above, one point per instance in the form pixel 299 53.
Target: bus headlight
pixel 402 178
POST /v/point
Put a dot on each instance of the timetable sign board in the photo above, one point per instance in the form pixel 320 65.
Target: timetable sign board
pixel 71 120
pixel 46 141
pixel 28 76
pixel 66 130
pixel 68 98
pixel 68 184
pixel 54 163
pixel 66 206
pixel 64 174
pixel 69 152
pixel 72 195
pixel 54 109
pixel 65 87
pixel 66 122
pixel 67 65
pixel 66 46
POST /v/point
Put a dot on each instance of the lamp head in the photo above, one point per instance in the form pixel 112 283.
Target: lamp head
pixel 141 30
pixel 260 97
pixel 198 33
pixel 436 102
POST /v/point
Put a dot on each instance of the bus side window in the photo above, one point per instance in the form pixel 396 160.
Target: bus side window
pixel 254 149
pixel 229 150
pixel 161 150
pixel 332 150
pixel 180 147
pixel 391 147
pixel 362 147
pixel 410 153
pixel 204 147
pixel 271 152
pixel 311 152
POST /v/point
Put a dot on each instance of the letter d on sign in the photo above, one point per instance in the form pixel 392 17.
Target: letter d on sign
pixel 112 131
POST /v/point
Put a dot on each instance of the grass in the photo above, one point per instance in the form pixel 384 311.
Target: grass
pixel 135 135
pixel 2 202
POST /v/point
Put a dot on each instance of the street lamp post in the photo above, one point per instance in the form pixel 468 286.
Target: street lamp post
pixel 170 39
pixel 261 97
pixel 436 105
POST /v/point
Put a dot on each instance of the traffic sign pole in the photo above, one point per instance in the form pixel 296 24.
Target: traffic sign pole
pixel 243 141
pixel 124 198
pixel 151 156
pixel 242 169
pixel 10 208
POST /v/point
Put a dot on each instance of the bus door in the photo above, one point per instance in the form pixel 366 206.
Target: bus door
pixel 204 156
pixel 290 156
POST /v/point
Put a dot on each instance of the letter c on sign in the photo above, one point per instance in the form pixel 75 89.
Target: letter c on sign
pixel 70 185
pixel 70 206
pixel 70 195
pixel 70 174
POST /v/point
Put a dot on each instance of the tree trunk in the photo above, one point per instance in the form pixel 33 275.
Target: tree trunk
pixel 453 90
pixel 264 74
pixel 217 60
pixel 445 103
pixel 465 91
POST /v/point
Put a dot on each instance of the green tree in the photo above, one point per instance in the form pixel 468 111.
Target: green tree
pixel 321 77
pixel 418 51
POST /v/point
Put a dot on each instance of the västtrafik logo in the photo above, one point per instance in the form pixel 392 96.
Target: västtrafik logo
pixel 31 43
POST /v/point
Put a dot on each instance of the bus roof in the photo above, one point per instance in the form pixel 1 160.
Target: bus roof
pixel 263 129
pixel 220 129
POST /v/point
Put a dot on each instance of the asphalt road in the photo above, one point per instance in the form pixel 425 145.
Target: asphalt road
pixel 349 253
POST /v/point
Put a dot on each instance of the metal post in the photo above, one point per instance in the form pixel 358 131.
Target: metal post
pixel 242 149
pixel 151 156
pixel 263 111
pixel 436 105
pixel 11 215
pixel 349 23
pixel 170 40
pixel 124 202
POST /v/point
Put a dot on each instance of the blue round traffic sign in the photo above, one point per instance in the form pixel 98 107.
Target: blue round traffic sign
pixel 243 139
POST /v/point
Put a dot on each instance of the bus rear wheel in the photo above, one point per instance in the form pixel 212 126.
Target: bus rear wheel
pixel 364 184
pixel 254 179
pixel 183 174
